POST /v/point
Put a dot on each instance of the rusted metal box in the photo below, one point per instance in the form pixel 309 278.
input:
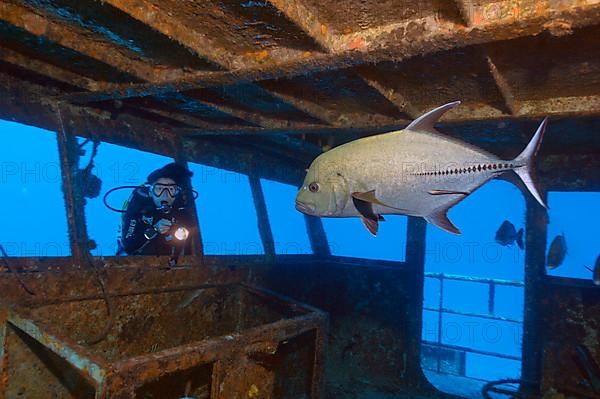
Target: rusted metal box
pixel 231 341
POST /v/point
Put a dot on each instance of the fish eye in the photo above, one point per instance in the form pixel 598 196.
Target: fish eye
pixel 313 187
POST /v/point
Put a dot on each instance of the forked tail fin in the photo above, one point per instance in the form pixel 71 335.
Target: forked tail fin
pixel 525 163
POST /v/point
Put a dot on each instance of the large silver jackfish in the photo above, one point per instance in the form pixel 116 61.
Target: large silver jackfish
pixel 416 171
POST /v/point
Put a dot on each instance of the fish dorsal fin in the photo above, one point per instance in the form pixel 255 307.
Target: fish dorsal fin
pixel 371 225
pixel 426 121
pixel 439 218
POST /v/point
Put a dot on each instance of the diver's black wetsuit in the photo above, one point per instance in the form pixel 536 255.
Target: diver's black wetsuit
pixel 138 219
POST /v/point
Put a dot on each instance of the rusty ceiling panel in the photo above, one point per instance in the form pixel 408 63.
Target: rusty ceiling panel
pixel 546 66
pixel 119 28
pixel 71 37
pixel 253 98
pixel 168 110
pixel 211 111
pixel 359 15
pixel 35 66
pixel 224 114
pixel 40 48
pixel 237 25
pixel 400 41
pixel 18 73
pixel 347 98
pixel 290 60
pixel 441 78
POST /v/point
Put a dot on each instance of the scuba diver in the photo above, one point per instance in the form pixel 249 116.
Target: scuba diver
pixel 155 220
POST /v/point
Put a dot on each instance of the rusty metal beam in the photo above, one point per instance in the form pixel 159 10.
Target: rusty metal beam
pixel 20 97
pixel 416 240
pixel 496 21
pixel 317 236
pixel 149 367
pixel 205 47
pixel 560 106
pixel 70 36
pixel 180 117
pixel 69 164
pixel 255 117
pixel 162 22
pixel 201 43
pixel 393 42
pixel 78 39
pixel 331 116
pixel 264 226
pixel 214 79
pixel 535 270
pixel 71 78
pixel 313 109
pixel 43 68
pixel 503 87
pixel 399 101
pixel 259 131
pixel 307 19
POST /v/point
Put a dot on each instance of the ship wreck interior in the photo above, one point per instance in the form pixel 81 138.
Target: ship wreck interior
pixel 246 93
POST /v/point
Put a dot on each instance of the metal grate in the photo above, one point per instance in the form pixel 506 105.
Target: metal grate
pixel 442 352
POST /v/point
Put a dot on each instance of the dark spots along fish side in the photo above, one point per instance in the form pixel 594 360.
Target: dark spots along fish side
pixel 470 169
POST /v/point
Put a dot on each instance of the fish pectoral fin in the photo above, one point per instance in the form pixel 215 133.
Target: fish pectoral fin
pixel 445 192
pixel 364 208
pixel 440 219
pixel 371 225
pixel 369 196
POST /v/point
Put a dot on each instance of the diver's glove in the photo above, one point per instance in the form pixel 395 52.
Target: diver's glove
pixel 163 226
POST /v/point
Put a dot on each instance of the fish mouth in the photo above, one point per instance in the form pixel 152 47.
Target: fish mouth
pixel 305 208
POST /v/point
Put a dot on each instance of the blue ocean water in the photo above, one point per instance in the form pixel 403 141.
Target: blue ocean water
pixel 34 213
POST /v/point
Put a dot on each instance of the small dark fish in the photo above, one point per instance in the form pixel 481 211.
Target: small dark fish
pixel 508 235
pixel 557 252
pixel 595 271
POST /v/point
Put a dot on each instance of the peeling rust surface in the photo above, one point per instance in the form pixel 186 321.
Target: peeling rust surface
pixel 126 32
pixel 419 80
pixel 254 99
pixel 43 49
pixel 549 66
pixel 341 92
pixel 504 59
pixel 360 15
pixel 238 25
pixel 228 339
